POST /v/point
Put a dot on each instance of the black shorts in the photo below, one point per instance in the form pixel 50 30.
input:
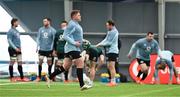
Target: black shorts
pixel 12 52
pixel 73 55
pixel 112 56
pixel 60 55
pixel 45 53
pixel 141 61
pixel 93 55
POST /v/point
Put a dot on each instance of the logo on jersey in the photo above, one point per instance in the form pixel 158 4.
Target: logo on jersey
pixel 148 48
pixel 45 35
pixel 60 38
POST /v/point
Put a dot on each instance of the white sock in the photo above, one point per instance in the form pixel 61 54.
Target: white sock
pixel 85 77
pixel 91 82
pixel 113 80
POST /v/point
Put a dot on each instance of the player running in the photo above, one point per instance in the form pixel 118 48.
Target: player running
pixel 73 35
pixel 144 47
pixel 166 58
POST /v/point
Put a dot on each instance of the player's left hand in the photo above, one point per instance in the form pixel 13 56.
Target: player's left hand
pixel 129 56
pixel 54 53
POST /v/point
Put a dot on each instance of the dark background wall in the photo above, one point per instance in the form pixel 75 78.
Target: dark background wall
pixel 32 12
pixel 173 26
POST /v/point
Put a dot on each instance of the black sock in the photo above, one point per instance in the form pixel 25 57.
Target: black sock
pixel 40 69
pixel 11 71
pixel 49 69
pixel 80 76
pixel 139 73
pixel 66 75
pixel 20 69
pixel 109 74
pixel 57 71
pixel 144 76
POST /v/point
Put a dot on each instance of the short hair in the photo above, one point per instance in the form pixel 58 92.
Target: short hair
pixel 148 33
pixel 64 22
pixel 13 21
pixel 162 64
pixel 48 19
pixel 110 22
pixel 74 12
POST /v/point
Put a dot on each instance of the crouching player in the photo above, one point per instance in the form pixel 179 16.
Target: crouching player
pixel 93 55
pixel 166 58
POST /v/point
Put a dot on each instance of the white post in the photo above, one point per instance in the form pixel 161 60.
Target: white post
pixel 109 11
pixel 68 6
pixel 161 23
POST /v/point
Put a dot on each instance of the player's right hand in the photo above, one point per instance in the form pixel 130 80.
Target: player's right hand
pixel 78 44
pixel 129 56
pixel 18 50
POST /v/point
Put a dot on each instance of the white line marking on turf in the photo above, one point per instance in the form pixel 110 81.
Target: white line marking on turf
pixel 44 83
pixel 32 89
pixel 37 83
pixel 15 83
